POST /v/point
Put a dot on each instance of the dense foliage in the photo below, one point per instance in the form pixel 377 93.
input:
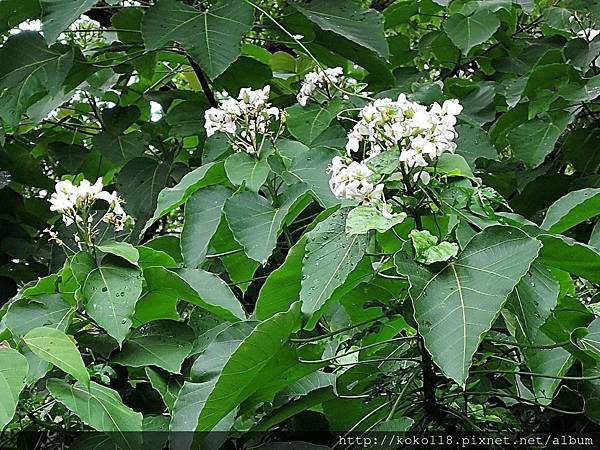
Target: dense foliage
pixel 300 218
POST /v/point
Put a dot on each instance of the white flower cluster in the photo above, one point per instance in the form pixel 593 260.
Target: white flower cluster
pixel 73 203
pixel 250 113
pixel 421 134
pixel 351 181
pixel 322 80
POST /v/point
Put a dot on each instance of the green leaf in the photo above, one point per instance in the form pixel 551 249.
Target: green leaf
pixel 14 12
pixel 171 198
pixel 255 224
pixel 366 217
pixel 455 306
pixel 102 409
pixel 12 381
pixel 282 286
pixel 195 286
pixel 167 386
pixel 244 168
pixel 330 257
pixel 164 343
pixel 113 142
pixel 308 122
pixel 535 139
pixel 139 183
pixel 349 20
pixel 54 346
pixel 554 362
pixel 123 249
pixel 38 311
pixel 427 249
pixel 212 38
pixel 311 168
pixel 30 70
pixel 202 217
pixel 214 292
pixel 571 256
pixel 242 369
pixel 588 339
pixel 468 31
pixel 58 15
pixel 111 292
pixel 572 209
pixel 473 143
pixel 532 301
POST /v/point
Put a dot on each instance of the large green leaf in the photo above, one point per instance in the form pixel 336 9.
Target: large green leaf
pixel 329 258
pixel 57 15
pixel 456 305
pixel 255 224
pixel 195 286
pixel 572 209
pixel 12 381
pixel 163 343
pixel 111 292
pixel 212 38
pixel 171 198
pixel 282 286
pixel 233 372
pixel 348 19
pixel 102 409
pixel 30 70
pixel 468 31
pixel 54 346
pixel 202 217
pixel 535 139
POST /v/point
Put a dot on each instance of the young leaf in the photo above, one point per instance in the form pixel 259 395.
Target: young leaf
pixel 243 168
pixel 171 198
pixel 428 251
pixel 123 249
pixel 367 217
pixel 54 346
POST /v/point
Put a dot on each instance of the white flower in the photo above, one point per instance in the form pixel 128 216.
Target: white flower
pixel 87 192
pixel 350 181
pixel 322 79
pixel 244 118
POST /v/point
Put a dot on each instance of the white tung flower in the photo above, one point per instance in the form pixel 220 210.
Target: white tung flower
pixel 421 134
pixel 351 181
pixel 246 119
pixel 322 79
